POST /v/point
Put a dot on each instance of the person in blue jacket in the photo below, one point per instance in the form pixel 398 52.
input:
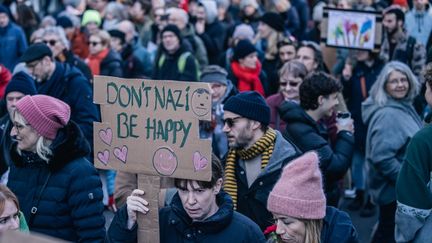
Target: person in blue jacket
pixel 199 212
pixel 298 204
pixel 58 189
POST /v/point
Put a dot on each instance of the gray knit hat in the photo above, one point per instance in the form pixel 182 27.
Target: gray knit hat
pixel 214 74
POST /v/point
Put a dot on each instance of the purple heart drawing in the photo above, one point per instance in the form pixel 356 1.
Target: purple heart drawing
pixel 106 136
pixel 103 156
pixel 121 154
pixel 200 162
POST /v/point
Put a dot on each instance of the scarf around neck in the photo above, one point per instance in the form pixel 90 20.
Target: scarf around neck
pixel 264 146
pixel 94 61
pixel 248 78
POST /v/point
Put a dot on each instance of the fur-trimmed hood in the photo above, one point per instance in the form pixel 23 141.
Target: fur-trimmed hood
pixel 69 144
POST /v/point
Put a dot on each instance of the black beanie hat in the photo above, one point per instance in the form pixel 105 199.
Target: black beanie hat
pixel 3 9
pixel 118 34
pixel 64 22
pixel 242 49
pixel 273 20
pixel 174 29
pixel 249 104
pixel 21 82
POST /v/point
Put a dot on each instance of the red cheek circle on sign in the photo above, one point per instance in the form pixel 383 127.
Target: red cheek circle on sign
pixel 165 161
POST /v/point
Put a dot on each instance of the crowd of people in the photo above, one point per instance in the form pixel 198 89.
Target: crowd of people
pixel 292 119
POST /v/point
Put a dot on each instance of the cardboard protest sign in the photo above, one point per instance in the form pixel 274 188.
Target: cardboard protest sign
pixel 351 29
pixel 19 237
pixel 152 127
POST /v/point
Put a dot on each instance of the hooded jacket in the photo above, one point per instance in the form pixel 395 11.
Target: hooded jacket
pixel 176 226
pixel 390 128
pixel 70 205
pixel 13 44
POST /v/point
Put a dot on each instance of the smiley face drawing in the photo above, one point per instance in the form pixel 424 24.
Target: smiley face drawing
pixel 201 102
pixel 165 161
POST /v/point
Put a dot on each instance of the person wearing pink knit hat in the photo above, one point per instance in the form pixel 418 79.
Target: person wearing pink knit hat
pixel 298 204
pixel 58 188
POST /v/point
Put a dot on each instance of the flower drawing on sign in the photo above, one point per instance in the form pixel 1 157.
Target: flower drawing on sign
pixel 165 161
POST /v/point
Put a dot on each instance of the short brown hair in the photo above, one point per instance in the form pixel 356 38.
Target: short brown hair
pixel 217 173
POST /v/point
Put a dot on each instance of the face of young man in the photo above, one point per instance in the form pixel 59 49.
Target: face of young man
pixel 327 104
pixel 238 130
pixel 307 56
pixel 390 23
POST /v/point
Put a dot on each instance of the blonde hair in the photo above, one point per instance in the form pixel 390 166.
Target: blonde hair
pixel 42 144
pixel 313 230
pixel 104 36
pixel 272 50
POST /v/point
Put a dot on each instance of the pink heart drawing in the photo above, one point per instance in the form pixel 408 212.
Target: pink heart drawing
pixel 121 154
pixel 106 136
pixel 103 156
pixel 200 162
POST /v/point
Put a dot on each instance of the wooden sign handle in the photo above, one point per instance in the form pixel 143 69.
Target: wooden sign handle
pixel 148 225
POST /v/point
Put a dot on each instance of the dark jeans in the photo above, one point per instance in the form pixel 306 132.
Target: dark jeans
pixel 386 224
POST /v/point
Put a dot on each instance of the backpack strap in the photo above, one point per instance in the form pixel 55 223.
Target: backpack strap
pixel 161 60
pixel 181 64
pixel 410 49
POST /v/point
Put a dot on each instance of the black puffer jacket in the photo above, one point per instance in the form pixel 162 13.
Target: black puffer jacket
pixel 70 205
pixel 112 65
pixel 304 132
pixel 175 225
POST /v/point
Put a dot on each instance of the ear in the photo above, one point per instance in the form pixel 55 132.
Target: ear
pixel 400 23
pixel 320 100
pixel 255 125
pixel 217 187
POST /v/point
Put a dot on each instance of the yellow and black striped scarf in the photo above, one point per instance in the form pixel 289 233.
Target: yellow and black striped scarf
pixel 264 146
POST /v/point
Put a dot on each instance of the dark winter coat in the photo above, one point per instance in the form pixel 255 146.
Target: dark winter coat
pixel 13 43
pixel 70 205
pixel 75 61
pixel 5 143
pixel 304 132
pixel 168 69
pixel 353 93
pixel 175 225
pixel 252 201
pixel 338 227
pixel 69 85
pixel 132 65
pixel 213 38
pixel 111 65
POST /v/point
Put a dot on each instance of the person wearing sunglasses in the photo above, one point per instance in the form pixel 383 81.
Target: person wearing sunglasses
pixel 55 39
pixel 319 99
pixel 103 60
pixel 256 155
pixel 291 76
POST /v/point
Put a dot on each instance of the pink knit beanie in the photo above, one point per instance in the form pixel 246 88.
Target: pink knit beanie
pixel 299 192
pixel 44 113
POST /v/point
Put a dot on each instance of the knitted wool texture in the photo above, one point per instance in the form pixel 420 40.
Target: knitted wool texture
pixel 264 146
pixel 299 192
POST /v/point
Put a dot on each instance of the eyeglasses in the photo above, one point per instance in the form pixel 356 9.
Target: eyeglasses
pixel 94 43
pixel 398 81
pixel 231 121
pixel 290 83
pixel 50 42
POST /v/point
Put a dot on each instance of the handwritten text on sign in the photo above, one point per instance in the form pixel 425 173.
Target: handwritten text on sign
pixel 152 127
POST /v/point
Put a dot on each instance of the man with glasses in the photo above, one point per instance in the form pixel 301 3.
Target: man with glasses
pixel 63 82
pixel 256 155
pixel 319 99
pixel 20 85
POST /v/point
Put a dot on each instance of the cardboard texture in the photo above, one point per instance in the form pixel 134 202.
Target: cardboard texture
pixel 148 225
pixel 18 237
pixel 352 29
pixel 152 127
